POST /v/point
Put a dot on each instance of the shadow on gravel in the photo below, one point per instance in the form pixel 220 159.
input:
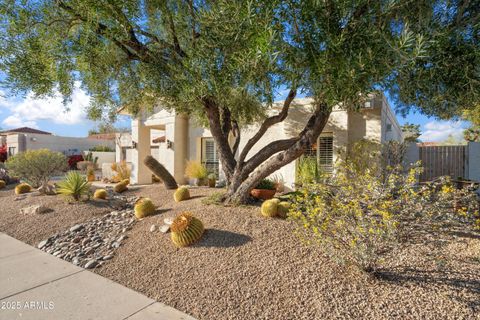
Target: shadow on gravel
pixel 222 239
pixel 455 280
pixel 160 211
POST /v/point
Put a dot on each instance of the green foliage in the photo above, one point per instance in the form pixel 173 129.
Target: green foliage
pixel 181 194
pixel 186 229
pixel 102 149
pixel 133 53
pixel 266 184
pixel 472 134
pixel 37 166
pixel 74 186
pixel 22 188
pixel 144 207
pixel 307 171
pixel 411 132
pixel 215 198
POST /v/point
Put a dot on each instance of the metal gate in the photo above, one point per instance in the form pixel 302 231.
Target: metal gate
pixel 443 161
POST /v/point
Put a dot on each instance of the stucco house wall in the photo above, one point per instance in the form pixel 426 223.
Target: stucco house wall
pixel 183 136
pixel 67 145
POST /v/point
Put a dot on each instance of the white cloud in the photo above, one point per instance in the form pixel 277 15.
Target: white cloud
pixel 30 110
pixel 437 131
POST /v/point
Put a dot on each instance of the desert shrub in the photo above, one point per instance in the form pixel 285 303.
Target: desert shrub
pixel 5 176
pixel 122 171
pixel 354 215
pixel 37 166
pixel 74 186
pixel 215 198
pixel 195 170
pixel 266 184
pixel 307 171
pixel 102 149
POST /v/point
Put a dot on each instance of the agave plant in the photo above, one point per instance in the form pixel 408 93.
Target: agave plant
pixel 74 186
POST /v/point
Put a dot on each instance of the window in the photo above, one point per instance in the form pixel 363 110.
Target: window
pixel 325 152
pixel 210 155
pixel 389 127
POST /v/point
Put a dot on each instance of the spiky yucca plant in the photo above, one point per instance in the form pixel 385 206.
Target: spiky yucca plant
pixel 23 188
pixel 186 229
pixel 73 186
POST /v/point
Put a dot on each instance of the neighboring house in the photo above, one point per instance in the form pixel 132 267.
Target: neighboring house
pixel 177 138
pixel 23 139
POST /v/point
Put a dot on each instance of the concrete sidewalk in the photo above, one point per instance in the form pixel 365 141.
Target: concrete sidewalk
pixel 35 285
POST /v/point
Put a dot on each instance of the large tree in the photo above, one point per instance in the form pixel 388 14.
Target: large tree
pixel 224 61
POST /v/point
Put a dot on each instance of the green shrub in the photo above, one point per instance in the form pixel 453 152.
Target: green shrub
pixel 266 184
pixel 307 171
pixel 355 215
pixel 37 166
pixel 74 186
pixel 215 198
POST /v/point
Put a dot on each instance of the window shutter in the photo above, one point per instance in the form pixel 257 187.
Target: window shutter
pixel 325 152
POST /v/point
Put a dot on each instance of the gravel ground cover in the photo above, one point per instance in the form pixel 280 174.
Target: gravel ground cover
pixel 250 267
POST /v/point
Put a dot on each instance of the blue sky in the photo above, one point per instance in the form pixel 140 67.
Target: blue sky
pixel 50 115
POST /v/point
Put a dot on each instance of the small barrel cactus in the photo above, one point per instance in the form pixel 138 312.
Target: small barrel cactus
pixel 144 207
pixel 282 209
pixel 186 229
pixel 100 194
pixel 121 186
pixel 181 194
pixel 2 184
pixel 270 207
pixel 23 188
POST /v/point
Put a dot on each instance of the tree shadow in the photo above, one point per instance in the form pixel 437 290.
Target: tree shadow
pixel 215 238
pixel 458 281
pixel 160 211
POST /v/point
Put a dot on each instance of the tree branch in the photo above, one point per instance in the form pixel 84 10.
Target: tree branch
pixel 267 124
pixel 236 133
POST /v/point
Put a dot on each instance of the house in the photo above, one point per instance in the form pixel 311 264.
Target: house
pixel 23 139
pixel 174 138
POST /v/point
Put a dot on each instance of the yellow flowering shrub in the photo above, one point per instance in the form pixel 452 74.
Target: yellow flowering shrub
pixel 356 214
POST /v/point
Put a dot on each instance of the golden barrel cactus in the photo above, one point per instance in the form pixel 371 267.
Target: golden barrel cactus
pixel 181 194
pixel 144 207
pixel 100 194
pixel 2 184
pixel 269 208
pixel 121 186
pixel 186 229
pixel 23 188
pixel 282 209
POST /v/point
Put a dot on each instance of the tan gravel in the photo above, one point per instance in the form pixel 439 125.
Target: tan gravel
pixel 250 267
pixel 34 228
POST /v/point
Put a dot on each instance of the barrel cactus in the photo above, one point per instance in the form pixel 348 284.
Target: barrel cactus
pixel 144 207
pixel 121 186
pixel 23 188
pixel 2 184
pixel 100 194
pixel 270 207
pixel 181 194
pixel 282 209
pixel 186 229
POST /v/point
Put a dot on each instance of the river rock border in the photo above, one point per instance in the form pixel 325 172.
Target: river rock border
pixel 92 243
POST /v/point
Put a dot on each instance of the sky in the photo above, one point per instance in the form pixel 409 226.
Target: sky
pixel 50 114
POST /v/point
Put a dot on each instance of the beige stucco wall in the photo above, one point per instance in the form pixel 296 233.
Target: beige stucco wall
pixel 72 145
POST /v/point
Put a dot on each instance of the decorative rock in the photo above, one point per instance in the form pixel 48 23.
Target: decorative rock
pixel 47 189
pixel 153 228
pixel 19 198
pixel 164 228
pixel 76 228
pixel 91 264
pixel 35 209
pixel 42 244
pixel 110 256
pixel 168 221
